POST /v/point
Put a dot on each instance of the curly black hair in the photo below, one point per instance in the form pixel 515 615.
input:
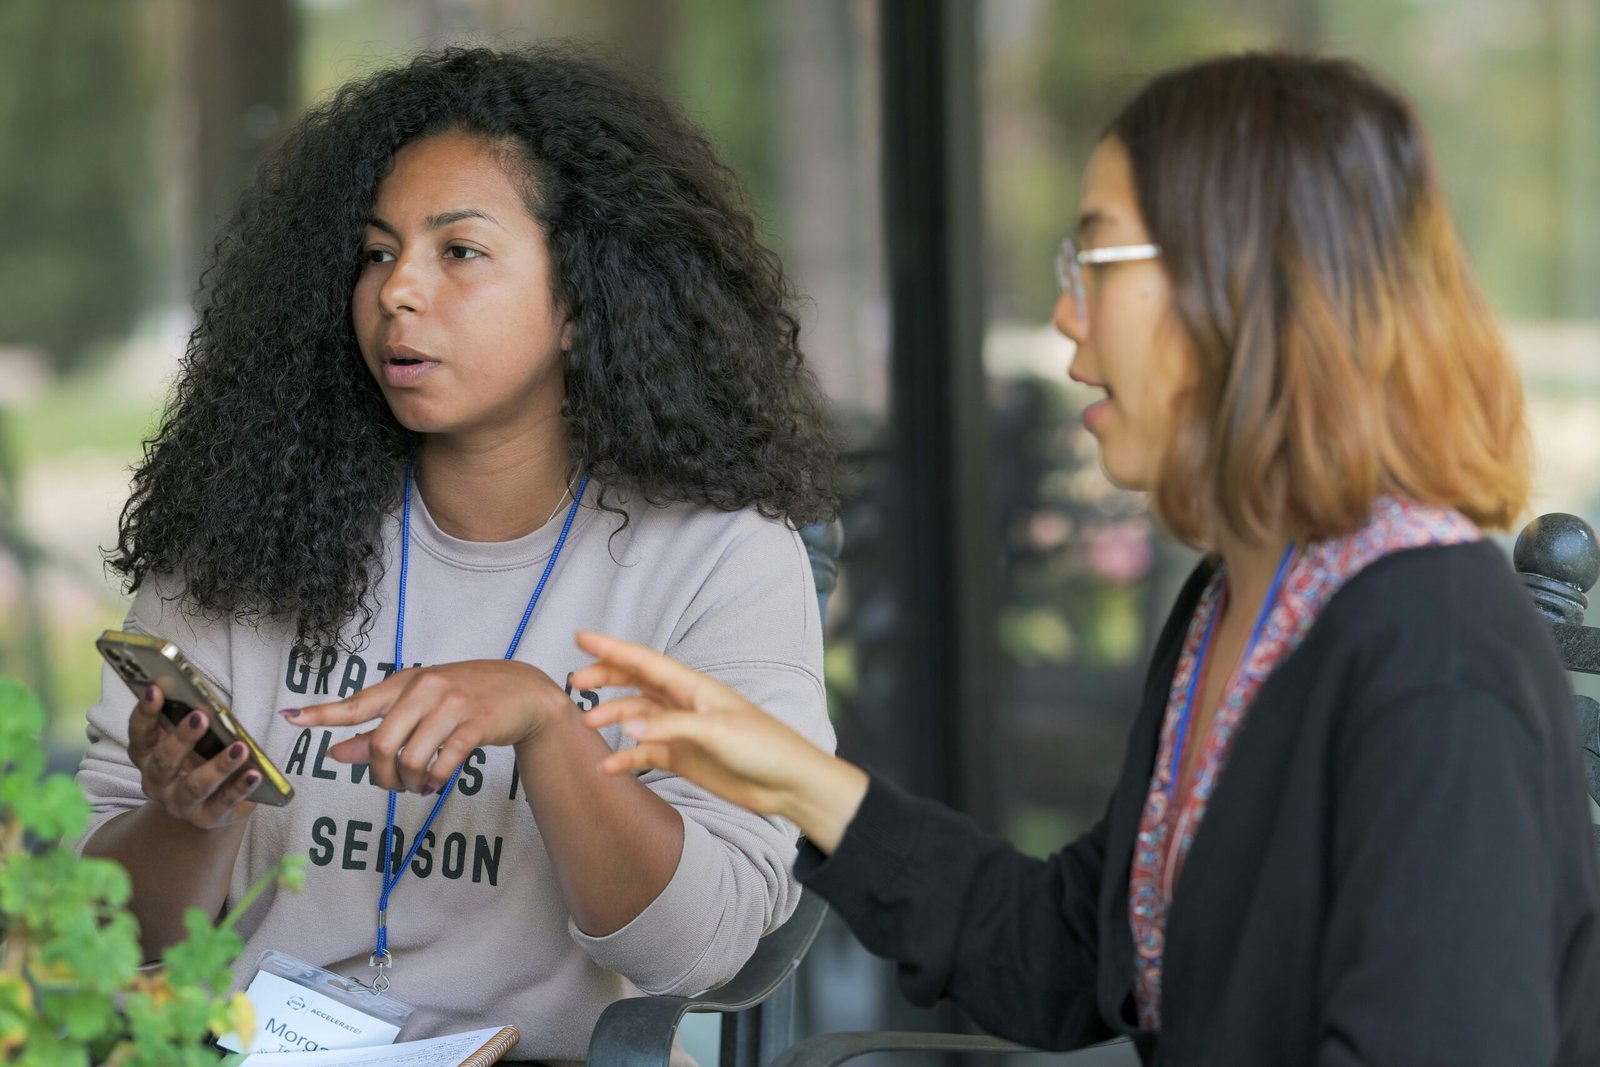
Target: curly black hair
pixel 276 457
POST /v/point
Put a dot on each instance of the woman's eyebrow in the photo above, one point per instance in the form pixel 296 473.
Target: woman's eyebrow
pixel 1089 221
pixel 434 222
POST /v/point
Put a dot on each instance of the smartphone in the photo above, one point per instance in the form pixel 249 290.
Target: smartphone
pixel 142 661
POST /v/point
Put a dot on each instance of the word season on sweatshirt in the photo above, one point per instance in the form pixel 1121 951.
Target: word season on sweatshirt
pixel 359 846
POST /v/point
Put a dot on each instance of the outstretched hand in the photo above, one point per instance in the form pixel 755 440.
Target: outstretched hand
pixel 431 718
pixel 694 726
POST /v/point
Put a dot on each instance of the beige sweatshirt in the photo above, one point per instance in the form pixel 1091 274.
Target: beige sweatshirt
pixel 479 931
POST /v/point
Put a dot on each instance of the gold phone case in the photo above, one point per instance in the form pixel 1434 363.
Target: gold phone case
pixel 140 661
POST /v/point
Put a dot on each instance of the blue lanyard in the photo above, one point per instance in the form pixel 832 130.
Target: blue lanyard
pixel 380 955
pixel 1182 729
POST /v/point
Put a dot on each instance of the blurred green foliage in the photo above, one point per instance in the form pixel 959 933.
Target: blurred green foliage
pixel 1061 77
pixel 77 183
pixel 1506 90
pixel 80 415
pixel 723 80
pixel 71 987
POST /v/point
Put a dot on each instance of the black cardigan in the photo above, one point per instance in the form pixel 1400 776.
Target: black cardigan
pixel 1396 867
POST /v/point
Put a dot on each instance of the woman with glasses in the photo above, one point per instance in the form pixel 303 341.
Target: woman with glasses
pixel 1350 827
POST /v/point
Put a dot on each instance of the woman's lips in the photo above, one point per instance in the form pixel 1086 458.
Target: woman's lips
pixel 1093 413
pixel 404 374
pixel 405 366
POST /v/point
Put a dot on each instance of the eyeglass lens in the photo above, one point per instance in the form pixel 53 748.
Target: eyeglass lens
pixel 1069 275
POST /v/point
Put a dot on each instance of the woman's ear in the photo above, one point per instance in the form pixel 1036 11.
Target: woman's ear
pixel 567 330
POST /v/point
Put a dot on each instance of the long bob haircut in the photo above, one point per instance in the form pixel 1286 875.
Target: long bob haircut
pixel 1342 348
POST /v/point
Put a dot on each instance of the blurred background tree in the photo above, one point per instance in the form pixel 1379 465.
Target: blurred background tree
pixel 81 257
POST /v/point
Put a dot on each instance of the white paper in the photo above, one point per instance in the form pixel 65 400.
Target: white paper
pixel 293 1018
pixel 446 1051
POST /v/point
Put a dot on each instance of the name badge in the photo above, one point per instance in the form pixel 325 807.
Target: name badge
pixel 300 1007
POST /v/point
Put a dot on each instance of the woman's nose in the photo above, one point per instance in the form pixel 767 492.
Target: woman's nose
pixel 1070 317
pixel 402 290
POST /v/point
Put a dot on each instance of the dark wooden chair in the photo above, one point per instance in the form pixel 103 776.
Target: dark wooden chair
pixel 757 1004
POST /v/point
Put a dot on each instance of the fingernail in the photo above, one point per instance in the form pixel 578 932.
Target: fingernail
pixel 251 780
pixel 427 790
pixel 290 713
pixel 194 720
pixel 236 751
pixel 635 727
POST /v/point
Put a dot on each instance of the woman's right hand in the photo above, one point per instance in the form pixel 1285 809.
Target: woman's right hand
pixel 694 726
pixel 203 793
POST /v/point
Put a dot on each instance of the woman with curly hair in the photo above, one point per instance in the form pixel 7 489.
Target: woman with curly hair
pixel 490 354
pixel 1350 825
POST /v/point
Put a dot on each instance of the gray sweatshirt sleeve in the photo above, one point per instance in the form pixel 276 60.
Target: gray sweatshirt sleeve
pixel 753 625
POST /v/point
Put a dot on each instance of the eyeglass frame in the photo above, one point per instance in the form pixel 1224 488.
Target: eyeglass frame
pixel 1070 261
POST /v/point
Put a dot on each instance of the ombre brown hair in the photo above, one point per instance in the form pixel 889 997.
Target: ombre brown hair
pixel 1343 349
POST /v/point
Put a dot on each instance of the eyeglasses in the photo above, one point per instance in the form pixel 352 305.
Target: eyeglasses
pixel 1070 261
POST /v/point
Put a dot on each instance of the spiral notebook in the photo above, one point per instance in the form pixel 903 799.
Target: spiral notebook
pixel 472 1048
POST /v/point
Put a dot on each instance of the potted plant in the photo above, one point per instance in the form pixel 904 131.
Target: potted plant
pixel 72 991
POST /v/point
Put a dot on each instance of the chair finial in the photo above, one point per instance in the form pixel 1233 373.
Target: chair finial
pixel 1559 559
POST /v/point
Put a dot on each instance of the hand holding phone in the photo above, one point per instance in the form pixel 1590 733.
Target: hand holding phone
pixel 199 764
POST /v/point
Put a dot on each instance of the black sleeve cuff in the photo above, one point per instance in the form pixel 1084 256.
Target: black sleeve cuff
pixel 872 853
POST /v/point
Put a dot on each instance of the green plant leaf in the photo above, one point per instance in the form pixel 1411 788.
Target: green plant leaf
pixel 54 809
pixel 206 955
pixel 188 1013
pixel 92 1000
pixel 105 880
pixel 82 1016
pixel 45 1048
pixel 119 953
pixel 91 953
pixel 20 771
pixel 21 719
pixel 46 890
pixel 149 1026
pixel 16 1011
